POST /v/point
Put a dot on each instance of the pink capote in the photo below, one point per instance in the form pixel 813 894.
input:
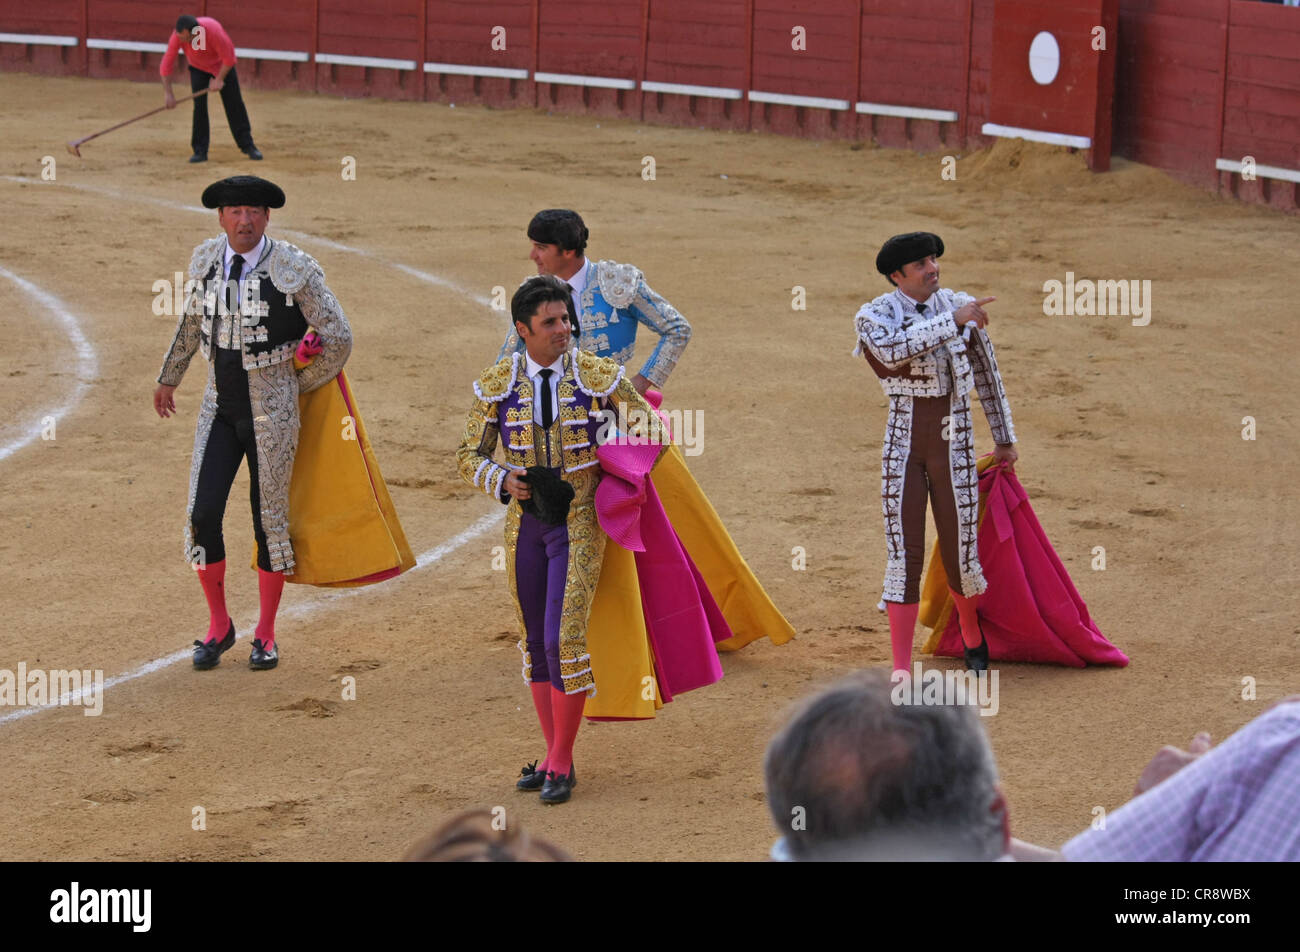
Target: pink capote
pixel 682 620
pixel 1031 611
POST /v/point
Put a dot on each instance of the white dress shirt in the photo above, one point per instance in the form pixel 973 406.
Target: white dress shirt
pixel 533 369
pixel 579 284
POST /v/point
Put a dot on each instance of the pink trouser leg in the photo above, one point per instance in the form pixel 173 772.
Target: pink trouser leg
pixel 213 579
pixel 902 626
pixel 970 624
pixel 269 587
pixel 566 711
pixel 542 704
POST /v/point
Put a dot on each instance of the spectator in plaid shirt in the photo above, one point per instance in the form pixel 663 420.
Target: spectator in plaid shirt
pixel 1239 801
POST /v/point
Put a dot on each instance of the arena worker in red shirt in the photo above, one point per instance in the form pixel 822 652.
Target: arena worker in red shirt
pixel 210 55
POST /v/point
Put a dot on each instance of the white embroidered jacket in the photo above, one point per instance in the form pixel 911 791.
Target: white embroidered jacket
pixel 931 356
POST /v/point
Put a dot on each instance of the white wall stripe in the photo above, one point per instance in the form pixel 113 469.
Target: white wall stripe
pixel 783 99
pixel 288 56
pixel 1034 135
pixel 905 112
pixel 455 69
pixel 570 79
pixel 1263 171
pixel 686 89
pixel 38 39
pixel 374 62
pixel 129 45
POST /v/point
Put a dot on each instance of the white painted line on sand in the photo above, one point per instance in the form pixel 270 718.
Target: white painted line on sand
pixel 87 364
pixel 322 599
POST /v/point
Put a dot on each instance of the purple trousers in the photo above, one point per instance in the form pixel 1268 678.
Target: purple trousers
pixel 541 570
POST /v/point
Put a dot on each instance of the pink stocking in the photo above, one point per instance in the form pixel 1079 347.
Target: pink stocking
pixel 902 626
pixel 213 579
pixel 542 703
pixel 269 587
pixel 566 709
pixel 970 622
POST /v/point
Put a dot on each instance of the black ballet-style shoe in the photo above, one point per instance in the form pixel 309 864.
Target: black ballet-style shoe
pixel 533 779
pixel 530 778
pixel 207 654
pixel 977 659
pixel 558 789
pixel 261 659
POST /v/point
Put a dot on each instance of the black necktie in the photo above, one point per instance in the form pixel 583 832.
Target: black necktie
pixel 920 309
pixel 232 287
pixel 548 410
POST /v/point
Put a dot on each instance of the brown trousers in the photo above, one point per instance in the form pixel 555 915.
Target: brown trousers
pixel 928 471
pixel 920 464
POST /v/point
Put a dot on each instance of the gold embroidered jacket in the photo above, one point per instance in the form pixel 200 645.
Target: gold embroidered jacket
pixel 595 395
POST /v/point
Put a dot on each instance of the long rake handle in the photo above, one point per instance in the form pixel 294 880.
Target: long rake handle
pixel 72 146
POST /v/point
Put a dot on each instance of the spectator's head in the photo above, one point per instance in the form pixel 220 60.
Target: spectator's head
pixel 483 836
pixel 854 775
pixel 559 241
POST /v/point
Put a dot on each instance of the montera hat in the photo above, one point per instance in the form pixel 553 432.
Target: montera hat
pixel 904 249
pixel 243 190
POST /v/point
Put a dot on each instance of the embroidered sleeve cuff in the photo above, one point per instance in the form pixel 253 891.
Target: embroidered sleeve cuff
pixel 657 372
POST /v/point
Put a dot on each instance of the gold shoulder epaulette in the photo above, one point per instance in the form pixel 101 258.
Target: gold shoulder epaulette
pixel 597 376
pixel 494 383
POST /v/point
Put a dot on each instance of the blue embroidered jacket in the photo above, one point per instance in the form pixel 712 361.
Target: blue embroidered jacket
pixel 615 300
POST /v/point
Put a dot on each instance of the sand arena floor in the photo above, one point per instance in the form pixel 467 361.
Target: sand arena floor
pixel 1131 439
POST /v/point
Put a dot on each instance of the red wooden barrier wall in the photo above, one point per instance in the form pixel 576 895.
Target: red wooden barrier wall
pixel 52 17
pixel 1196 80
pixel 268 24
pixel 1261 102
pixel 915 54
pixel 1169 82
pixel 825 69
pixel 461 33
pixel 689 43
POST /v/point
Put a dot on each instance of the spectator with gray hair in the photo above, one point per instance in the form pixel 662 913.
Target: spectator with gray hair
pixel 483 836
pixel 856 776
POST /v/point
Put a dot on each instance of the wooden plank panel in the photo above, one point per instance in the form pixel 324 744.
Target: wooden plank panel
pixel 1266 151
pixel 264 24
pixel 148 21
pixel 827 68
pixel 1257 41
pixel 590 38
pixel 805 8
pixel 1182 9
pixel 49 18
pixel 1275 105
pixel 462 33
pixel 386 28
pixel 1264 71
pixel 1251 13
pixel 665 15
